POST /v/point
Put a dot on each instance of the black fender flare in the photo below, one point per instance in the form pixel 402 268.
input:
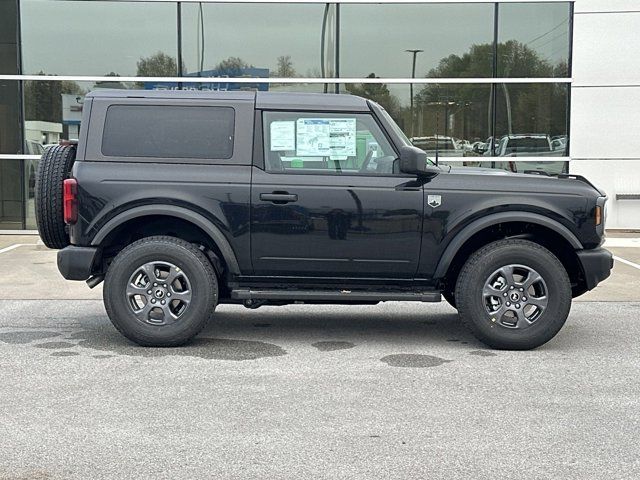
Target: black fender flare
pixel 205 224
pixel 480 224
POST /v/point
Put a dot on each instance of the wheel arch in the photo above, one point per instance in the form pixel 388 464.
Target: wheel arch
pixel 543 230
pixel 153 212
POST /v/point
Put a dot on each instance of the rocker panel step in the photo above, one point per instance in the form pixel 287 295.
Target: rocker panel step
pixel 336 295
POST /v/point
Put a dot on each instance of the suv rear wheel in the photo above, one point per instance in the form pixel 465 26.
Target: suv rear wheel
pixel 160 291
pixel 513 294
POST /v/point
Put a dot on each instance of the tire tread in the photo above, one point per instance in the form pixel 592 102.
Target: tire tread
pixel 184 337
pixel 472 264
pixel 54 166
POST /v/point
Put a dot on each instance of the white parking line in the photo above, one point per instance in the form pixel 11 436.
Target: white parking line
pixel 626 262
pixel 626 242
pixel 16 245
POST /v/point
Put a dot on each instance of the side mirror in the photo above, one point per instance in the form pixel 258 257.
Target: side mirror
pixel 413 161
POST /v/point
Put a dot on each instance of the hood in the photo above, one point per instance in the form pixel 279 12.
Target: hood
pixel 503 180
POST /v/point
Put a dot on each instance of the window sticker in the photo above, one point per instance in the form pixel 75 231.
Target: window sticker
pixel 342 134
pixel 326 137
pixel 312 137
pixel 283 136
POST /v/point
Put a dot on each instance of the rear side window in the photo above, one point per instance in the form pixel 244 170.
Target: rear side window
pixel 168 131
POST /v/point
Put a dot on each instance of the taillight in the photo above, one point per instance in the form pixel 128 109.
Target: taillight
pixel 598 215
pixel 70 200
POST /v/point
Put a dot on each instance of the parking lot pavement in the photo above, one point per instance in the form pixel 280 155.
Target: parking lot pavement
pixel 30 273
pixel 396 390
pixel 389 391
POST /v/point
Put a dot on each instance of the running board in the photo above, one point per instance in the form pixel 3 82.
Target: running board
pixel 334 295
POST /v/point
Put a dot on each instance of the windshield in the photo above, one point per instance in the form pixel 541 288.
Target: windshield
pixel 394 125
pixel 396 129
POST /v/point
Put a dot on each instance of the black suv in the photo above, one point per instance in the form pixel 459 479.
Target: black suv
pixel 182 200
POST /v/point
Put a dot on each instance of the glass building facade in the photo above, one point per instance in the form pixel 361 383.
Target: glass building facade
pixel 479 84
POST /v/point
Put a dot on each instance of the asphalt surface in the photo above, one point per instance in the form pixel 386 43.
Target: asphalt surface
pixel 397 390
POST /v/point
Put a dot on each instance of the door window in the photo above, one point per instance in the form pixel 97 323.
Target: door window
pixel 326 143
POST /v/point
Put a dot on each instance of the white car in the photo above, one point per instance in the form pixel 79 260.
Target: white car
pixel 445 146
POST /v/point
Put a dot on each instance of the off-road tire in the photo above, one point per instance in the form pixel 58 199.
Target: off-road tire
pixel 480 266
pixel 195 265
pixel 55 165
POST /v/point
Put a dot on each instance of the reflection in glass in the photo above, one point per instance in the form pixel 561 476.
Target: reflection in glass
pixel 9 117
pixel 29 167
pixel 531 120
pixel 99 38
pixel 53 109
pixel 455 40
pixel 456 120
pixel 258 40
pixel 538 48
pixel 8 37
pixel 10 194
pixel 451 120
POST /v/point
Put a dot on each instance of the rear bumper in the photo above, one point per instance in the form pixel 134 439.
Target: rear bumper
pixel 76 263
pixel 596 265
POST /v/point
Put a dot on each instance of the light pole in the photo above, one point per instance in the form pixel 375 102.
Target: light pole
pixel 415 52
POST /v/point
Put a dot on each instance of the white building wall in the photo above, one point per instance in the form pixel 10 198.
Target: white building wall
pixel 605 102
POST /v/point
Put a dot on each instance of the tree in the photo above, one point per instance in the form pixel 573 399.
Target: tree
pixel 113 83
pixel 43 98
pixel 285 67
pixel 379 93
pixel 158 65
pixel 464 110
pixel 232 67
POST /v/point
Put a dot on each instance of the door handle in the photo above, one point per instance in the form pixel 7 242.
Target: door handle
pixel 279 197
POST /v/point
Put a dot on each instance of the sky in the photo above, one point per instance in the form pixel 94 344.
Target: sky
pixel 104 37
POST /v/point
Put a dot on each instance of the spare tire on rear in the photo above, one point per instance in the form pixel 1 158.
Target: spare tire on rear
pixel 55 165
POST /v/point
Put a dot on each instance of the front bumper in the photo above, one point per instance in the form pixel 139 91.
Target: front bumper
pixel 76 263
pixel 596 265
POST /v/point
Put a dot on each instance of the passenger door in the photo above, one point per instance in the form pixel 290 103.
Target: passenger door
pixel 326 200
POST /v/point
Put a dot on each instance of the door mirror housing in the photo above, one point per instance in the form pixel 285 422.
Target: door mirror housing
pixel 413 161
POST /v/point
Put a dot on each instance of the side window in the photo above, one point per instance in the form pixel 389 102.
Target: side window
pixel 326 143
pixel 168 131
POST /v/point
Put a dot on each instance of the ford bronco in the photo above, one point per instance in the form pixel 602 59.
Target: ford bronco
pixel 183 200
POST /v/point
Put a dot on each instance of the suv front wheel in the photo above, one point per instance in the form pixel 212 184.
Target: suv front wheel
pixel 160 291
pixel 513 294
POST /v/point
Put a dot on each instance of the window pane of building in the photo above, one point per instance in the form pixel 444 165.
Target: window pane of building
pixel 533 39
pixel 8 37
pixel 29 167
pixel 99 38
pixel 10 194
pixel 258 40
pixel 537 110
pixel 531 120
pixel 456 120
pixel 9 116
pixel 53 109
pixel 450 119
pixel 449 40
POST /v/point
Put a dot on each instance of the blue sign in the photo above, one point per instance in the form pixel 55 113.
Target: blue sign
pixel 217 83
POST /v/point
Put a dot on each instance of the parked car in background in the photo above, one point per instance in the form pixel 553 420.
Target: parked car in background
pixel 529 145
pixel 445 146
pixel 559 143
pixel 31 147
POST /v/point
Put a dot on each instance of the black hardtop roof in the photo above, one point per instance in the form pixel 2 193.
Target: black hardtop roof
pixel 265 100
